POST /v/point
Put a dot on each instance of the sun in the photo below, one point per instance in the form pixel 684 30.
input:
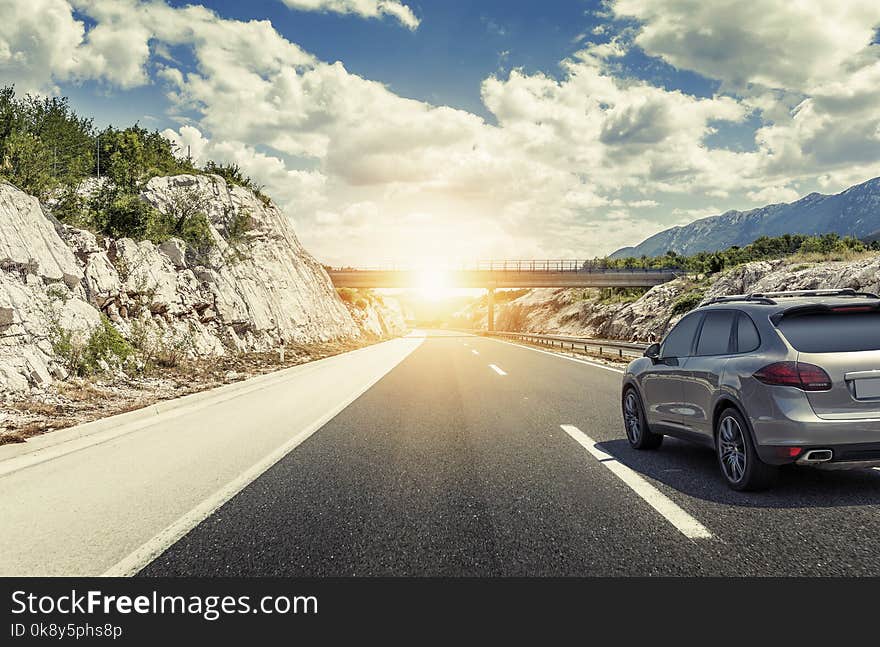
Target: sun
pixel 434 285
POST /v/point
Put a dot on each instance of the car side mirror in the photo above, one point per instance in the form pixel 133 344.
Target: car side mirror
pixel 653 352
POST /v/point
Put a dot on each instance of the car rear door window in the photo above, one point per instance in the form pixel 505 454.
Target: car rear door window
pixel 715 334
pixel 680 340
pixel 747 338
pixel 832 332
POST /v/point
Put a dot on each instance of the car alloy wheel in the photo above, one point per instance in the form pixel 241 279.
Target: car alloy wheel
pixel 732 449
pixel 632 417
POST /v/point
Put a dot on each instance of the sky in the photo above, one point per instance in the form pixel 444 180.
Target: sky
pixel 446 131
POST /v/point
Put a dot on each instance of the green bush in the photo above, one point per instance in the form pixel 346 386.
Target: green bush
pixel 119 214
pixel 687 302
pixel 105 346
pixel 132 156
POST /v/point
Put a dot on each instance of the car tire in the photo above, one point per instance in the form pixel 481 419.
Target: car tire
pixel 739 462
pixel 638 433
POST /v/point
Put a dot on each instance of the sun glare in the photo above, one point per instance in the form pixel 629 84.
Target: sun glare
pixel 434 285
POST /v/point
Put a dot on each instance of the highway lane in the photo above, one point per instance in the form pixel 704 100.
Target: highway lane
pixel 445 467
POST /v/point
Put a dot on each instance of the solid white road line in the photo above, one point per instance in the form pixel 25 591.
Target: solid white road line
pixel 475 351
pixel 685 523
pixel 559 355
pixel 497 370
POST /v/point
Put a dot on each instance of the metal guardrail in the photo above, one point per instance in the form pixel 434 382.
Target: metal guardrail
pixel 610 347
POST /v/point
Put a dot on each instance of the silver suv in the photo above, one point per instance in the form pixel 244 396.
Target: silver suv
pixel 765 379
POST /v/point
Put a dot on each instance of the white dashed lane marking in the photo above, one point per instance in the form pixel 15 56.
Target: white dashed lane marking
pixel 497 369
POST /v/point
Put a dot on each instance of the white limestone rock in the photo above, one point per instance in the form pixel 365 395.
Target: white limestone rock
pixel 29 242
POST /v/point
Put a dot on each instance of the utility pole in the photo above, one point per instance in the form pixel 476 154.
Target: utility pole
pixel 98 141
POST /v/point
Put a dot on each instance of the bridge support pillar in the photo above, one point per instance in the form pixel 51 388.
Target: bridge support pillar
pixel 491 308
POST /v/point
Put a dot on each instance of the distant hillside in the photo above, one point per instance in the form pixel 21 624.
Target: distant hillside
pixel 854 212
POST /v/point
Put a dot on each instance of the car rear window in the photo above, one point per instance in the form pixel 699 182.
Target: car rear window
pixel 832 333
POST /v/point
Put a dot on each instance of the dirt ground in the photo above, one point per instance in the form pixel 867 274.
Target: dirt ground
pixel 79 400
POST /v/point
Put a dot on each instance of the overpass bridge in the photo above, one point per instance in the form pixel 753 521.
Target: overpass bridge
pixel 492 275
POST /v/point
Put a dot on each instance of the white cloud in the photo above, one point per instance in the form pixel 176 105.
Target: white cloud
pixel 36 42
pixel 811 68
pixel 370 176
pixel 773 195
pixel 365 8
pixel 304 189
pixel 777 44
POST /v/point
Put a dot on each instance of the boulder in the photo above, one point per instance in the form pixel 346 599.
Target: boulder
pixel 175 250
pixel 29 241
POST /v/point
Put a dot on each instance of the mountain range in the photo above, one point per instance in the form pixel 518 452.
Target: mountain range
pixel 853 212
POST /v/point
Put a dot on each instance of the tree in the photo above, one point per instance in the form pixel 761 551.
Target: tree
pixel 28 164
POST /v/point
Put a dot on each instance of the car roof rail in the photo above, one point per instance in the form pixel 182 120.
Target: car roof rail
pixel 732 298
pixel 842 292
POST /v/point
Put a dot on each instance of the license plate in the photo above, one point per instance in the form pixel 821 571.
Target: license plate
pixel 867 389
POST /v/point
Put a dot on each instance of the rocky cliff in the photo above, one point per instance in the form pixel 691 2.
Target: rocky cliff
pixel 585 313
pixel 256 287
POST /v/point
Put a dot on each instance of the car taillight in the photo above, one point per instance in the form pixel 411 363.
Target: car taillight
pixel 788 452
pixel 800 375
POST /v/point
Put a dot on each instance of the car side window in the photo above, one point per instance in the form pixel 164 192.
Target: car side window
pixel 715 335
pixel 747 337
pixel 680 340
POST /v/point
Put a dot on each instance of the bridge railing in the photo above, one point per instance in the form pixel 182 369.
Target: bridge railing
pixel 548 266
pixel 607 347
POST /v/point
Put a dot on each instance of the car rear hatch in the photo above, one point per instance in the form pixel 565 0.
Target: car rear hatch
pixel 844 341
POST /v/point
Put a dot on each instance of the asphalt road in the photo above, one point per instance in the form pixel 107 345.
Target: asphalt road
pixel 447 455
pixel 83 501
pixel 456 463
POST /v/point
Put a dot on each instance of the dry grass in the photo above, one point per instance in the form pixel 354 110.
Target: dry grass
pixel 80 391
pixel 35 428
pixel 39 408
pixel 817 257
pixel 83 400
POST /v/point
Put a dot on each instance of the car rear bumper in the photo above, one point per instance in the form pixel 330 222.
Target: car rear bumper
pixel 843 456
pixel 783 416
